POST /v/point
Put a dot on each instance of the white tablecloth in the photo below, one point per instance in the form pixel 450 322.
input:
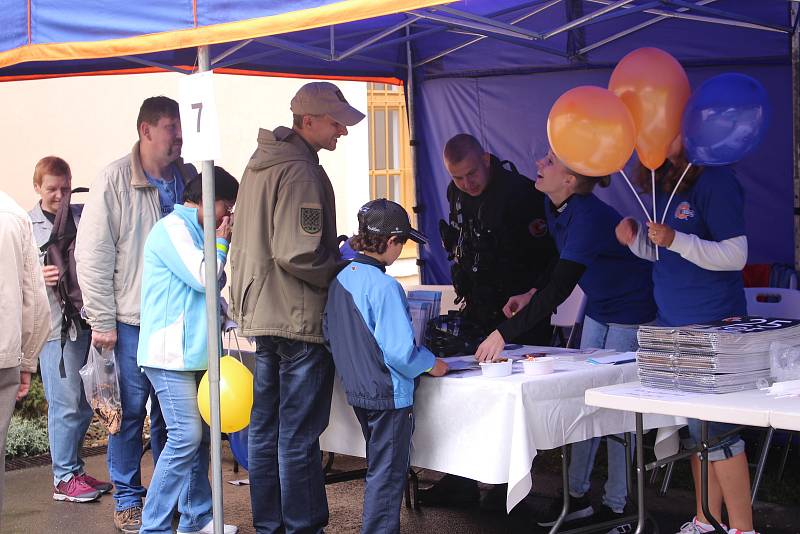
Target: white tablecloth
pixel 489 429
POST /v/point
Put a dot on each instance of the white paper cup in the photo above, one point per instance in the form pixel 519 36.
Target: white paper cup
pixel 539 366
pixel 496 368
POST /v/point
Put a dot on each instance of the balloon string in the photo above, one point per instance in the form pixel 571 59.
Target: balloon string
pixel 636 195
pixel 655 215
pixel 674 190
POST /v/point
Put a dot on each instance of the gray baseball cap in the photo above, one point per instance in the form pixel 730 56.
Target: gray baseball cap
pixel 324 98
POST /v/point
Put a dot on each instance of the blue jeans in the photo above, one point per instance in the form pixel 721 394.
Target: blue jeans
pixel 727 448
pixel 181 474
pixel 388 436
pixel 620 338
pixel 125 447
pixel 68 412
pixel 293 384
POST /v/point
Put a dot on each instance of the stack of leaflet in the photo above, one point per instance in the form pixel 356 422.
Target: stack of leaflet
pixel 423 306
pixel 720 357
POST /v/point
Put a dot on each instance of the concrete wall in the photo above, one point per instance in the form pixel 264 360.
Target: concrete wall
pixel 90 121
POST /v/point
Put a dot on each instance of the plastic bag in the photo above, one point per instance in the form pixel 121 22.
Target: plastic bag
pixel 101 385
pixel 785 361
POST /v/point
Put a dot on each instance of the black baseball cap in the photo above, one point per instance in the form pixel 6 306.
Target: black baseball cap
pixel 384 217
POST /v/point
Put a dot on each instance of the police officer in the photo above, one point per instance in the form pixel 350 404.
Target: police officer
pixel 498 241
pixel 496 236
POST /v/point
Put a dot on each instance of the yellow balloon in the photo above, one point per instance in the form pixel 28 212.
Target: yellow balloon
pixel 235 395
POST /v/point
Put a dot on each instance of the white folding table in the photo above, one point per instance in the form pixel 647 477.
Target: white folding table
pixel 752 408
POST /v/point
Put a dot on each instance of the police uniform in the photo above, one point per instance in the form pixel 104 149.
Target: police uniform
pixel 500 247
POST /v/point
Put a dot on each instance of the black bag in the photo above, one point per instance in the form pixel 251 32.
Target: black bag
pixel 60 251
pixel 452 335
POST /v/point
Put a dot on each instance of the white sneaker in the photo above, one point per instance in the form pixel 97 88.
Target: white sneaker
pixel 691 527
pixel 209 529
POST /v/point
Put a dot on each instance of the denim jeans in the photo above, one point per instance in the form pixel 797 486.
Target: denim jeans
pixel 620 338
pixel 68 411
pixel 181 474
pixel 388 436
pixel 293 384
pixel 729 447
pixel 125 447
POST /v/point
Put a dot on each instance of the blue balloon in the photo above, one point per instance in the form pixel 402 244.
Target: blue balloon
pixel 238 442
pixel 725 119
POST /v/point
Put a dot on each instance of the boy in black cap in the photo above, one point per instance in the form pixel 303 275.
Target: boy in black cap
pixel 368 326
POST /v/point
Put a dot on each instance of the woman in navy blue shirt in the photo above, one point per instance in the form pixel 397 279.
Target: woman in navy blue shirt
pixel 619 293
pixel 698 279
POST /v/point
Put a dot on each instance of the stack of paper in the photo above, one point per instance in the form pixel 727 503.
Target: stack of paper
pixel 721 357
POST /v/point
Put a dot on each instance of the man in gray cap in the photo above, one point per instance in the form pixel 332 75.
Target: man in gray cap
pixel 283 256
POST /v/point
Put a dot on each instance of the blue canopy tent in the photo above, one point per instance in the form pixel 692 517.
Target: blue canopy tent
pixel 489 67
pixel 480 66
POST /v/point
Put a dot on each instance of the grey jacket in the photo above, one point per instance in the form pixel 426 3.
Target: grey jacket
pixel 284 251
pixel 120 211
pixel 42 228
pixel 25 312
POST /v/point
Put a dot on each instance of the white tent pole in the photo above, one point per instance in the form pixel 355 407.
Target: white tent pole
pixel 212 311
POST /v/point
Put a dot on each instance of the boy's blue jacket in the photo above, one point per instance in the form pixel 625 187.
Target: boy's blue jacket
pixel 174 327
pixel 368 326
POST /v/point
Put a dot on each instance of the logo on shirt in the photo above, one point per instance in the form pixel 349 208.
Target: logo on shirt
pixel 734 319
pixel 538 228
pixel 684 211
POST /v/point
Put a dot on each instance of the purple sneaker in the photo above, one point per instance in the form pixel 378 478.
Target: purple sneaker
pixel 75 490
pixel 99 485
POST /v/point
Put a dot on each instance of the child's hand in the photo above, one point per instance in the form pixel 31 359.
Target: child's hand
pixel 439 368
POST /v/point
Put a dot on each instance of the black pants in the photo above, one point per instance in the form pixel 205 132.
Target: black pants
pixel 388 436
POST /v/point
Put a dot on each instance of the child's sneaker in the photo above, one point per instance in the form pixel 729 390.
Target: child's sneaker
pixel 737 531
pixel 99 485
pixel 75 490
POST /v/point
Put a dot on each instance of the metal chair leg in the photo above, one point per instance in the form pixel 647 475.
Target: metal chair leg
pixel 662 491
pixel 654 475
pixel 785 455
pixel 762 462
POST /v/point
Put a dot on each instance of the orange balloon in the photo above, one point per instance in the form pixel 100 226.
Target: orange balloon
pixel 591 131
pixel 654 87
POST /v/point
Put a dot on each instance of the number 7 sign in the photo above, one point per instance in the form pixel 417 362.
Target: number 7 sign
pixel 198 111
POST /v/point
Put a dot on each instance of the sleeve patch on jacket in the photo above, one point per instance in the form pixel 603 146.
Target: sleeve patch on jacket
pixel 311 219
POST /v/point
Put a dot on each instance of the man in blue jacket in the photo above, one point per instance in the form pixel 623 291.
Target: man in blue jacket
pixel 368 326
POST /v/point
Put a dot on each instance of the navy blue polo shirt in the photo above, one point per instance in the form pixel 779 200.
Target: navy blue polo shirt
pixel 713 210
pixel 618 285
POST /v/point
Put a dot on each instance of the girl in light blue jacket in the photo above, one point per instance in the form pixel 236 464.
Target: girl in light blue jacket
pixel 173 353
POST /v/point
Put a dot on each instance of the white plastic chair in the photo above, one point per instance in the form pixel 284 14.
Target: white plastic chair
pixel 570 313
pixel 779 303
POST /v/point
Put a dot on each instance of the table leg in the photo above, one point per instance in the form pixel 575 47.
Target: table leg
pixel 640 470
pixel 704 478
pixel 565 485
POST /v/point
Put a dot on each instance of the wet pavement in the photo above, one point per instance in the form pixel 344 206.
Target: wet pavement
pixel 30 509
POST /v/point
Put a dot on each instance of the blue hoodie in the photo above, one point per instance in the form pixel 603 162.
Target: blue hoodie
pixel 174 327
